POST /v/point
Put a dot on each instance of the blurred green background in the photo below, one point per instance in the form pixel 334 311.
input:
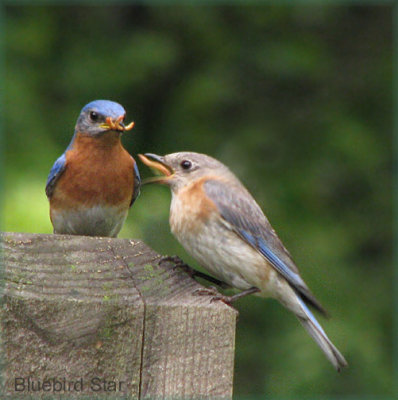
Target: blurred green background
pixel 297 100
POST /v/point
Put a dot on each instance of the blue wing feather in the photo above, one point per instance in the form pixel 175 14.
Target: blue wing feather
pixel 280 266
pixel 137 184
pixel 56 171
pixel 243 214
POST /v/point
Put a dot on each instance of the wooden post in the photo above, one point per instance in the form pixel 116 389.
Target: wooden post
pixel 98 317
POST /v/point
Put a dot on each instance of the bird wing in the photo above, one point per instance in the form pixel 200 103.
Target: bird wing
pixel 244 216
pixel 137 183
pixel 56 171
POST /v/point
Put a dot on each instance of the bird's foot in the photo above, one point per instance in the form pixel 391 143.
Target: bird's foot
pixel 193 273
pixel 179 263
pixel 174 259
pixel 216 295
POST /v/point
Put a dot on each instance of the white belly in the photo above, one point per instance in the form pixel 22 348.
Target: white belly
pixel 93 221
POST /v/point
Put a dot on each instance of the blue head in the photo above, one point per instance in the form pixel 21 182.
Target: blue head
pixel 101 116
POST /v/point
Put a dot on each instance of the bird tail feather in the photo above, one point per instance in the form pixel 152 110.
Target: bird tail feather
pixel 318 334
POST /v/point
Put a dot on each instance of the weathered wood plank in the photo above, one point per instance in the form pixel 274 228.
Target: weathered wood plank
pixel 189 342
pixel 70 312
pixel 78 308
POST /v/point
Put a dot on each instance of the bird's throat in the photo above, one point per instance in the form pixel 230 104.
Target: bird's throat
pixel 108 139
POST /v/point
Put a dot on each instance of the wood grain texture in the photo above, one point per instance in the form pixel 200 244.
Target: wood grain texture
pixel 81 307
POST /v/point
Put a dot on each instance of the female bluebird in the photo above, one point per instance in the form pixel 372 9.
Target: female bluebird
pixel 220 224
pixel 93 184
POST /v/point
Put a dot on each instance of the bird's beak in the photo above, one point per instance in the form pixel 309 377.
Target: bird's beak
pixel 117 124
pixel 158 165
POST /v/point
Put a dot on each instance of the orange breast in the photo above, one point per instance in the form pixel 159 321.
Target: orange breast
pixel 191 208
pixel 98 171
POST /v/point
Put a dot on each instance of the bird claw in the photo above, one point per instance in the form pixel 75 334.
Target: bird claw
pixel 178 263
pixel 214 293
pixel 191 272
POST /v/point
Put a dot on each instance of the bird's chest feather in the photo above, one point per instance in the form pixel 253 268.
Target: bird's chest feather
pixel 190 211
pixel 96 173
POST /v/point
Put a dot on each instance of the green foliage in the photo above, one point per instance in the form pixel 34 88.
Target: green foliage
pixel 296 100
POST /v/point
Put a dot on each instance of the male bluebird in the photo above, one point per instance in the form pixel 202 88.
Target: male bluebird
pixel 93 184
pixel 220 224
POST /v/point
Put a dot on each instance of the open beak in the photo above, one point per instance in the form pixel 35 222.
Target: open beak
pixel 117 124
pixel 158 165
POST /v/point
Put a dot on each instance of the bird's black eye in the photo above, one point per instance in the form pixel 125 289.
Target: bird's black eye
pixel 186 164
pixel 93 116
